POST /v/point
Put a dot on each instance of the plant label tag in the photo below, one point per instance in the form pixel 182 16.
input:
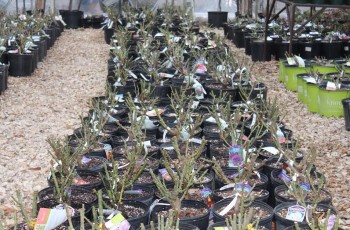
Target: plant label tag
pixel 108 150
pixel 235 156
pixel 230 205
pixel 291 61
pixel 331 86
pixel 305 186
pixel 271 150
pixel 308 49
pixel 165 174
pixel 296 213
pixel 346 48
pixel 118 222
pixel 331 222
pixel 221 228
pixel 50 218
pixel 284 177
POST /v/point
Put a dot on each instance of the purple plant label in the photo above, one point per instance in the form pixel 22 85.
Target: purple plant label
pixel 235 156
pixel 305 186
pixel 85 160
pixel 331 222
pixel 233 175
pixel 206 192
pixel 284 177
pixel 243 187
pixel 163 171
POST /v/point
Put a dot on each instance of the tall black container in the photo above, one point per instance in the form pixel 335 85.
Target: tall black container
pixel 346 107
pixel 257 50
pixel 72 18
pixel 217 18
pixel 21 64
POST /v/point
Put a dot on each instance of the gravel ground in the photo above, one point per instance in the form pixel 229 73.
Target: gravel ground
pixel 51 100
pixel 46 104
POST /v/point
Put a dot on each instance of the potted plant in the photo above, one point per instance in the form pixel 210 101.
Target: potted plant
pixel 72 17
pixel 217 18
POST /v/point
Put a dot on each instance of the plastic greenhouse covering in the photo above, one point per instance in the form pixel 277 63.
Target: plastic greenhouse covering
pixel 92 7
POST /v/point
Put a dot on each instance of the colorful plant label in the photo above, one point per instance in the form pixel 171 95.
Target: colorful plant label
pixel 108 150
pixel 118 222
pixel 283 176
pixel 296 213
pixel 235 156
pixel 50 218
pixel 305 186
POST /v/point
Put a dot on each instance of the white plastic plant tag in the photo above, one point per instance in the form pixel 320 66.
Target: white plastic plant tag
pixel 211 120
pixel 291 61
pixel 296 213
pixel 331 86
pixel 310 80
pixel 253 121
pixel 230 205
pixel 132 74
pixel 164 50
pixel 346 48
pixel 196 140
pixel 227 186
pixel 195 104
pixel 144 78
pixel 308 49
pixel 118 222
pixel 164 134
pixel 271 150
pixel 300 60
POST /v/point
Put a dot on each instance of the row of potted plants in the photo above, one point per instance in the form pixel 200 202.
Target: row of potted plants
pixel 315 40
pixel 320 84
pixel 209 143
pixel 331 2
pixel 25 41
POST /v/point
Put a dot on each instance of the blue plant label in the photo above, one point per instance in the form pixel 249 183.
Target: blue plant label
pixel 283 176
pixel 296 213
pixel 243 187
pixel 235 156
pixel 206 192
pixel 305 186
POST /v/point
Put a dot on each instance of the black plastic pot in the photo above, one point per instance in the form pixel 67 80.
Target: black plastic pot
pixel 72 18
pixel 144 199
pixel 3 77
pixel 182 226
pixel 283 223
pixel 218 91
pixel 217 18
pixel 266 222
pixel 331 50
pixel 108 35
pixel 346 107
pixel 281 47
pixel 21 64
pixel 201 221
pixel 247 45
pixel 87 195
pixel 257 50
pixel 239 37
pixel 279 199
pixel 309 50
pixel 160 91
pixel 96 168
pixel 89 187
